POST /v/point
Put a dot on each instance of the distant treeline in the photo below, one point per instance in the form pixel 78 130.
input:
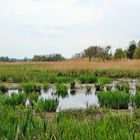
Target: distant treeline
pixel 50 57
pixel 7 59
pixel 96 52
pixel 104 53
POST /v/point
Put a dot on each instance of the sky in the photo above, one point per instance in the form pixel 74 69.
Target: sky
pixel 29 27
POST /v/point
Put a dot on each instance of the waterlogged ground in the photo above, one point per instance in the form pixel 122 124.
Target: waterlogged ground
pixel 80 99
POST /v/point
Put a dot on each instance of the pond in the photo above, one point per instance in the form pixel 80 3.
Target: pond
pixel 80 100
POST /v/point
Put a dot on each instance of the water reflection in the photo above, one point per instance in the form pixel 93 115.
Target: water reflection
pixel 11 91
pixel 72 101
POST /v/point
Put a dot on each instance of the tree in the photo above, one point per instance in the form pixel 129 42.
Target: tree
pixel 131 49
pixel 137 53
pixel 91 52
pixel 119 54
pixel 97 52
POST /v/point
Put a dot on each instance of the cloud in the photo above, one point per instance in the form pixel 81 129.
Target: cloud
pixel 66 26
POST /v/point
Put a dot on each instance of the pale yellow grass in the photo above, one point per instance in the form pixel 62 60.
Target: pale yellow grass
pixel 84 64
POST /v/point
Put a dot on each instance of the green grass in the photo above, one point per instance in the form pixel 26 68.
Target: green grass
pixel 22 123
pixel 123 86
pixel 61 90
pixel 31 87
pixel 104 80
pixel 87 79
pixel 136 99
pixel 115 100
pixel 49 105
pixel 46 86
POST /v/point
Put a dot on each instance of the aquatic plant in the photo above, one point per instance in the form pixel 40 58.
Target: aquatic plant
pixel 104 80
pixel 115 100
pixel 88 79
pixel 31 87
pixel 61 89
pixel 136 100
pixel 123 86
pixel 46 86
pixel 49 105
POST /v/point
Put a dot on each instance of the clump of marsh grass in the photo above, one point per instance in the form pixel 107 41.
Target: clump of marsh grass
pixel 31 87
pixel 46 86
pixel 115 99
pixel 123 86
pixel 88 79
pixel 49 105
pixel 61 90
pixel 104 80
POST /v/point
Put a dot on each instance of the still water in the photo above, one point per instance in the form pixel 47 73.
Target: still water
pixel 79 100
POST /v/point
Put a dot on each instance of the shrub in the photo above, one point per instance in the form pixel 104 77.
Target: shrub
pixel 115 100
pixel 61 90
pixel 88 79
pixel 49 105
pixel 31 87
pixel 104 80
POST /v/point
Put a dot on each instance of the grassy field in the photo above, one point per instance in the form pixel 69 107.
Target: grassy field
pixel 81 64
pixel 42 71
pixel 111 121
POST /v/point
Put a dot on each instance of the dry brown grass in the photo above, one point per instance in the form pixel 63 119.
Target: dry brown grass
pixel 84 64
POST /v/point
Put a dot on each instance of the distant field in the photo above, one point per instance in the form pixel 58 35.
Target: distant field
pixel 82 64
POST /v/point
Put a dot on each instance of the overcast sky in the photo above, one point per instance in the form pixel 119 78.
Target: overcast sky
pixel 29 27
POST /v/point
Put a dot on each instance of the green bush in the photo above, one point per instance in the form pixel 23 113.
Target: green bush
pixel 87 79
pixel 31 87
pixel 49 105
pixel 61 89
pixel 115 100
